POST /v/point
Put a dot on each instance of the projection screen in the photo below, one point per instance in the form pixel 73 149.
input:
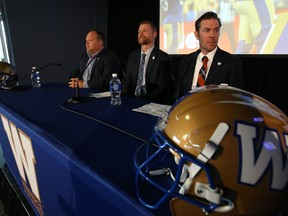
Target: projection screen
pixel 248 26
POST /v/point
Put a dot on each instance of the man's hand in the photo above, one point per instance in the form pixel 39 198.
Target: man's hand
pixel 74 82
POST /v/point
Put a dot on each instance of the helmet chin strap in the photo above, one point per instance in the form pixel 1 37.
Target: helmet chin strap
pixel 210 148
pixel 214 195
pixel 210 194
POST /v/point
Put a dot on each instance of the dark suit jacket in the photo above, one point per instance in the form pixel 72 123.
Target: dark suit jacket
pixel 159 80
pixel 106 63
pixel 225 68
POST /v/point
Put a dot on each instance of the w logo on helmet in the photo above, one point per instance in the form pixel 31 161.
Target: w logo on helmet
pixel 256 160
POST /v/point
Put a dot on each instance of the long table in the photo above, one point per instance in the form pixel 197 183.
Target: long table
pixel 73 159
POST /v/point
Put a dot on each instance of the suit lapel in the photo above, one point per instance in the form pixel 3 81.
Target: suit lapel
pixel 189 71
pixel 215 66
pixel 98 58
pixel 136 65
pixel 151 61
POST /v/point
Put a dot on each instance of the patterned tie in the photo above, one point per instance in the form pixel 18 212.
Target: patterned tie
pixel 202 72
pixel 140 76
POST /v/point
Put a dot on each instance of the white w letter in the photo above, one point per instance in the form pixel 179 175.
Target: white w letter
pixel 253 167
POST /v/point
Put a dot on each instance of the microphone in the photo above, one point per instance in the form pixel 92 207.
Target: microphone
pixel 78 99
pixel 41 68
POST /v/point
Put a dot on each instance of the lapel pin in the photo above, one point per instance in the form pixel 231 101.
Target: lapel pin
pixel 153 57
pixel 219 63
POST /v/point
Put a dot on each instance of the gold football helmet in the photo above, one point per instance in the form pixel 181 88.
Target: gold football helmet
pixel 8 76
pixel 218 151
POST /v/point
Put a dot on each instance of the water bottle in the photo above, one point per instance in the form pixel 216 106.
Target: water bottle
pixel 115 90
pixel 35 78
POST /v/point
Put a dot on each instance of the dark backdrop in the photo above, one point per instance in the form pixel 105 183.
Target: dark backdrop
pixel 44 31
pixel 123 20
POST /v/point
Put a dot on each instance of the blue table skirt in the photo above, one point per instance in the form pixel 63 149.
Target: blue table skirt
pixel 83 152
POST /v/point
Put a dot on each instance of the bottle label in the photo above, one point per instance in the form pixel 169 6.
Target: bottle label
pixel 115 87
pixel 35 76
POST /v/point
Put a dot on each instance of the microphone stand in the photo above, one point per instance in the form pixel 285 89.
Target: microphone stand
pixel 78 99
pixel 58 64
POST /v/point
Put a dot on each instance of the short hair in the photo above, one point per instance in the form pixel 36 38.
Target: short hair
pixel 153 26
pixel 206 16
pixel 100 34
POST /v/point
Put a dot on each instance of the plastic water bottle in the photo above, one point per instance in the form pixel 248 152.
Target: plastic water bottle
pixel 115 90
pixel 35 78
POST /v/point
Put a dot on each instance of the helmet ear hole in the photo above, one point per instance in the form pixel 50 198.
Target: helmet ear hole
pixel 8 76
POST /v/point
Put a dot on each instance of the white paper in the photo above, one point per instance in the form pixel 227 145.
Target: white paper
pixel 153 109
pixel 100 95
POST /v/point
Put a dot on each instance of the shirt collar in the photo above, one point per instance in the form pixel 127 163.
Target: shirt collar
pixel 210 55
pixel 92 55
pixel 148 52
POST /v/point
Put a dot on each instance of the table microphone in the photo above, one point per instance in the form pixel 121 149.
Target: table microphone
pixel 41 68
pixel 78 99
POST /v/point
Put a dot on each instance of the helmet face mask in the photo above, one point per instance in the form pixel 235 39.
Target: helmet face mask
pixel 169 168
pixel 8 76
pixel 220 151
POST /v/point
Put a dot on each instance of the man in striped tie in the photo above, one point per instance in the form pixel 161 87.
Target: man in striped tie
pixel 221 67
pixel 148 73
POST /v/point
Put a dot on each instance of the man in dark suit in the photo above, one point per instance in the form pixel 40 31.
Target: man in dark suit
pixel 155 82
pixel 96 65
pixel 223 68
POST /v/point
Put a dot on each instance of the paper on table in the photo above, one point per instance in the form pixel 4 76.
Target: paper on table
pixel 153 109
pixel 101 94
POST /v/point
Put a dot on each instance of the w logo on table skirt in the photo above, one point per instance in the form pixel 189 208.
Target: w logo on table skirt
pixel 23 153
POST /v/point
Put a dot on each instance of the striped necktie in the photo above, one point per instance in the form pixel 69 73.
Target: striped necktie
pixel 202 72
pixel 140 76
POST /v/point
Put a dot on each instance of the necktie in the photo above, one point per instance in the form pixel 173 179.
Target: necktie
pixel 140 76
pixel 202 72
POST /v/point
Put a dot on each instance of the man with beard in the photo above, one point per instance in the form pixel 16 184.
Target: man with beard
pixel 148 73
pixel 220 67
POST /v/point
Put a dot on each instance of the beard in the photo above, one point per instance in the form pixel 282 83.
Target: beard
pixel 144 40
